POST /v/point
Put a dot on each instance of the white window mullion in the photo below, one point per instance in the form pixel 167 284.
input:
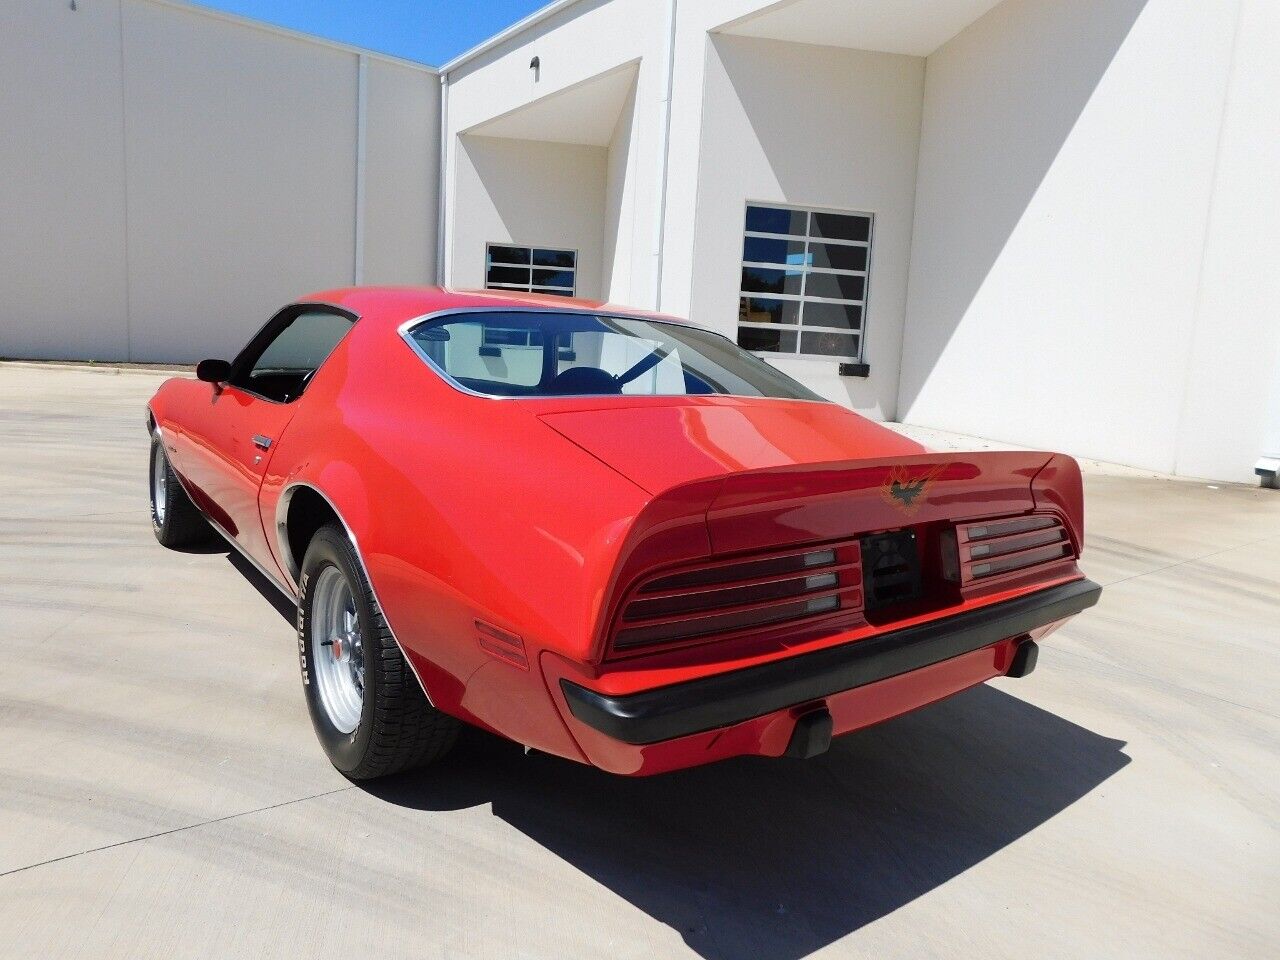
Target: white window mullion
pixel 528 267
pixel 854 312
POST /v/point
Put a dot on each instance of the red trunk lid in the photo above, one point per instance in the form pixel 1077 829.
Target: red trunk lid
pixel 660 445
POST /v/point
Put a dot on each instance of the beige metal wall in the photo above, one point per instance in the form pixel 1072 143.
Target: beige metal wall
pixel 169 178
pixel 62 211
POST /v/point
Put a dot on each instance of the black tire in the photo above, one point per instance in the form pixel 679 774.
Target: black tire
pixel 179 524
pixel 398 729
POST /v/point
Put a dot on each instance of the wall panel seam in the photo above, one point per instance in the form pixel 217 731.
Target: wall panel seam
pixel 1196 312
pixel 124 188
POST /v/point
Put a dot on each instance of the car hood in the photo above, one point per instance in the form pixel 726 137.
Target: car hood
pixel 662 446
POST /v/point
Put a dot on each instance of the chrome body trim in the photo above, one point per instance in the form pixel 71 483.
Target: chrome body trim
pixel 275 581
pixel 282 542
pixel 237 362
pixel 293 564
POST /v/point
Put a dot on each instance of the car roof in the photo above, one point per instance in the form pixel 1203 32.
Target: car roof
pixel 395 305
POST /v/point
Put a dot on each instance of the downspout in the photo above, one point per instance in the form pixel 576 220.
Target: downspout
pixel 442 179
pixel 362 149
pixel 660 223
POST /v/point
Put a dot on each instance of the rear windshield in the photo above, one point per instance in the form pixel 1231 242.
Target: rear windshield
pixel 561 354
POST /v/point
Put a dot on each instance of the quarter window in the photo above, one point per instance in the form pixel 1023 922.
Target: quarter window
pixel 804 282
pixel 531 269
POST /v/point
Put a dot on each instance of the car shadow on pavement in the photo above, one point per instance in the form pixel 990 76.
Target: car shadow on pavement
pixel 774 859
pixel 270 592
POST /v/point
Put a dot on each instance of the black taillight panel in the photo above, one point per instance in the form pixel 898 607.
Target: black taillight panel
pixel 740 595
pixel 993 548
pixel 878 578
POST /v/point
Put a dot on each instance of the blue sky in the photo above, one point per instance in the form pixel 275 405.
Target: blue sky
pixel 429 31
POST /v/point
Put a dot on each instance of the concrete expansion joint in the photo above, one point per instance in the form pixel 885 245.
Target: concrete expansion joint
pixel 182 829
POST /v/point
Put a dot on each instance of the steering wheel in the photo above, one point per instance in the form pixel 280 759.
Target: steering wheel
pixel 585 380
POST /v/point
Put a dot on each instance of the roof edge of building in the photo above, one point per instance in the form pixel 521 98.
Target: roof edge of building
pixel 199 9
pixel 517 28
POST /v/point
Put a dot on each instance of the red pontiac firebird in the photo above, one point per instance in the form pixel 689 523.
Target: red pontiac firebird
pixel 609 536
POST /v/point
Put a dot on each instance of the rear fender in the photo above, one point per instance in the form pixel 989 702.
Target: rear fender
pixel 1059 487
pixel 340 485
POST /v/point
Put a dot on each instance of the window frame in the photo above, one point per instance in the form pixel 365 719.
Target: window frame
pixel 267 334
pixel 802 298
pixel 405 330
pixel 530 266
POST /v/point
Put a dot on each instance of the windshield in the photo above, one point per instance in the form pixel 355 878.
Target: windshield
pixel 562 354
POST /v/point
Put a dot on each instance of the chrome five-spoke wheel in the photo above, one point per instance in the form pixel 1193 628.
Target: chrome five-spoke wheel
pixel 337 650
pixel 174 518
pixel 159 483
pixel 368 709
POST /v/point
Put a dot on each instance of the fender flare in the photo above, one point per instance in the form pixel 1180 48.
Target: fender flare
pixel 292 564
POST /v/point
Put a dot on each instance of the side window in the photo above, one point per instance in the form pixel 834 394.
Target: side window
pixel 283 366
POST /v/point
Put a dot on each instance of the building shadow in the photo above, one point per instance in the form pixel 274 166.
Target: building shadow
pixel 756 859
pixel 975 180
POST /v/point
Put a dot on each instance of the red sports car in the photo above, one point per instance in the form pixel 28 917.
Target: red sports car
pixel 609 536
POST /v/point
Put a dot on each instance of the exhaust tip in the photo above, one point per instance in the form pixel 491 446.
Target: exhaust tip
pixel 811 736
pixel 1024 659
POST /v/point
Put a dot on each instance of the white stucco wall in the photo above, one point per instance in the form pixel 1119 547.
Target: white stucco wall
pixel 171 177
pixel 810 126
pixel 620 250
pixel 1231 410
pixel 584 42
pixel 532 193
pixel 1068 165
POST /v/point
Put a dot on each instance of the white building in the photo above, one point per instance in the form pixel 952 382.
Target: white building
pixel 1051 222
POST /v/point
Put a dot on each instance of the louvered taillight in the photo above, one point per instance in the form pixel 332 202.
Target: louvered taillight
pixel 722 599
pixel 994 547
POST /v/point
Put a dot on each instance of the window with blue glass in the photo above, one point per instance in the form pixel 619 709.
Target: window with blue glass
pixel 531 269
pixel 804 281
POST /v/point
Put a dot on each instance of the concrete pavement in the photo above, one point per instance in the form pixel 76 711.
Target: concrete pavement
pixel 162 794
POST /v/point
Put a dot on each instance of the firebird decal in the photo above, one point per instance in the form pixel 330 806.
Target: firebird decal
pixel 906 492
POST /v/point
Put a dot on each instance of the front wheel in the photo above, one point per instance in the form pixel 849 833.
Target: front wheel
pixel 368 710
pixel 174 518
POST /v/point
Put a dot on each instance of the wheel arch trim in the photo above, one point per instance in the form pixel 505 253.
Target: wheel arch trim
pixel 291 566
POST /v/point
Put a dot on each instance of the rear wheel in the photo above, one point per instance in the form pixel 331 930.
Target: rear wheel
pixel 174 518
pixel 368 710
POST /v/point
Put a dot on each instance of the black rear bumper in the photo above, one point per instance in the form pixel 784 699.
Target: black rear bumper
pixel 724 699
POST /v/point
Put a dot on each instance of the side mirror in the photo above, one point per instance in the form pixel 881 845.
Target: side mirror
pixel 213 371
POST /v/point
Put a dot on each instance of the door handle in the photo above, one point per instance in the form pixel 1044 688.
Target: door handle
pixel 261 442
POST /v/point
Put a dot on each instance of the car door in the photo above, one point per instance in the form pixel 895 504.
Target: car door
pixel 228 444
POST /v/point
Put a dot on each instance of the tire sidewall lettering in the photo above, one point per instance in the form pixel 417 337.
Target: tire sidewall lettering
pixel 302 629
